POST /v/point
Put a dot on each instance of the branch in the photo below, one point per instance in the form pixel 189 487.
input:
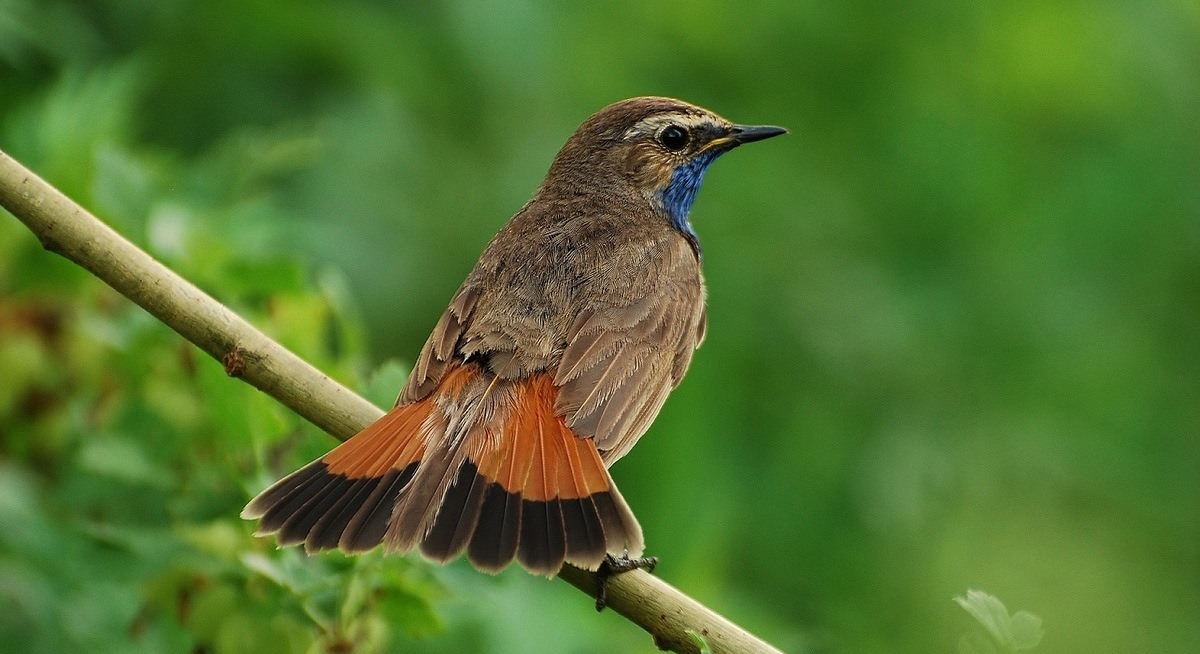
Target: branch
pixel 65 228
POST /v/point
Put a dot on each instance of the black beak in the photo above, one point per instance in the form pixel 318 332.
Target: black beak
pixel 750 133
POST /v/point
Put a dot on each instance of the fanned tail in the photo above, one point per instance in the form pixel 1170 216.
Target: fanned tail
pixel 509 480
pixel 344 499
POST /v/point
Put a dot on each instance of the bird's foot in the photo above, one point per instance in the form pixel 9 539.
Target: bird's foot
pixel 612 566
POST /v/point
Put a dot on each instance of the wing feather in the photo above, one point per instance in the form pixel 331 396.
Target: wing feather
pixel 617 372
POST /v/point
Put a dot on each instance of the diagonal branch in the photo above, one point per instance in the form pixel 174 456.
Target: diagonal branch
pixel 67 229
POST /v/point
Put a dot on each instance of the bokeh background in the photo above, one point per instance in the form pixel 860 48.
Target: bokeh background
pixel 954 328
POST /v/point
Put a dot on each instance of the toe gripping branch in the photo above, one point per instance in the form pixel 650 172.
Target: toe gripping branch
pixel 613 566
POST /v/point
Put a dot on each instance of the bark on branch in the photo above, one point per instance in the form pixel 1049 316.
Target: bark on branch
pixel 67 229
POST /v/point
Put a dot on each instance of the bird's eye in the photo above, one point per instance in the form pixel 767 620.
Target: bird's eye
pixel 673 138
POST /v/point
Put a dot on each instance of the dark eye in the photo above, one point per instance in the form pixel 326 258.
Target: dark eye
pixel 673 138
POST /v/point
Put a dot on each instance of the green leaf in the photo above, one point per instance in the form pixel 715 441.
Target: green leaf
pixel 123 460
pixel 1026 630
pixel 124 187
pixel 988 612
pixel 701 643
pixel 409 612
pixel 1010 633
pixel 265 566
pixel 977 642
pixel 385 382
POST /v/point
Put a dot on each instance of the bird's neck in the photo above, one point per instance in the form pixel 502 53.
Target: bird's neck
pixel 679 193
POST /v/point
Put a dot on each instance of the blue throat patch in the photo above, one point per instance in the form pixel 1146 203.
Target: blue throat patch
pixel 679 195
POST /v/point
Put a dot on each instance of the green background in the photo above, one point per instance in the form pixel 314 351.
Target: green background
pixel 954 316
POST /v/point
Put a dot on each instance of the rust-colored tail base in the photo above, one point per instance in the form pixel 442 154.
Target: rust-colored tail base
pixel 480 465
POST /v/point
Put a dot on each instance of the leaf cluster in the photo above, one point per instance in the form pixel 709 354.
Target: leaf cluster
pixel 127 455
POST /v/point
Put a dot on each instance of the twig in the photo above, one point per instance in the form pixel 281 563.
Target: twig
pixel 67 229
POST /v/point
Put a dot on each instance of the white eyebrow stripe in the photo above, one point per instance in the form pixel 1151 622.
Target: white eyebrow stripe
pixel 650 126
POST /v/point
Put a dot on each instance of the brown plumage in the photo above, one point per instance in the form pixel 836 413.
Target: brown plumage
pixel 551 361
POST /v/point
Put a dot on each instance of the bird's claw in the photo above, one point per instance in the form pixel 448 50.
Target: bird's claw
pixel 612 566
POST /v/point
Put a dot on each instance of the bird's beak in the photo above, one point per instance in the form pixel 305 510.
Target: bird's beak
pixel 739 134
pixel 750 133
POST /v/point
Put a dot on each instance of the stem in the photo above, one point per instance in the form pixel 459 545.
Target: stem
pixel 65 228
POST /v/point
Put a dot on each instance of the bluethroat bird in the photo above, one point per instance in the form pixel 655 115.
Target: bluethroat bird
pixel 551 361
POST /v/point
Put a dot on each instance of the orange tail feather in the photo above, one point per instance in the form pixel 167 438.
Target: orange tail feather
pixel 511 481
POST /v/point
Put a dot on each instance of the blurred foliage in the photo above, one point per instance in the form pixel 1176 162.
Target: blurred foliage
pixel 954 333
pixel 998 631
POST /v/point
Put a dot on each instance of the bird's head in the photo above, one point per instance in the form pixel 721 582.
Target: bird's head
pixel 660 147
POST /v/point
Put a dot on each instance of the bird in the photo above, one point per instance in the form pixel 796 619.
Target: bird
pixel 550 362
